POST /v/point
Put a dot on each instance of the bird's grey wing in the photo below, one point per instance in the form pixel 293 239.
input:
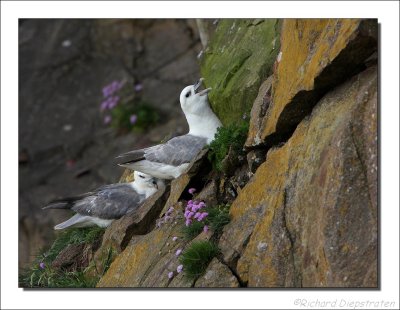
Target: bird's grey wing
pixel 110 202
pixel 66 202
pixel 175 152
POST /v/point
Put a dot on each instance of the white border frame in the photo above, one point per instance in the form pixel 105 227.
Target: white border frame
pixel 12 297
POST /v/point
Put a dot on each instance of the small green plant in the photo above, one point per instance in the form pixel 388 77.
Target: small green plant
pixel 218 217
pixel 191 231
pixel 42 274
pixel 232 136
pixel 196 258
pixel 199 217
pixel 73 236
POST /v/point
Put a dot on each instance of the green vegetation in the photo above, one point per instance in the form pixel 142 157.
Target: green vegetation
pixel 54 278
pixel 193 230
pixel 232 136
pixel 196 258
pixel 73 236
pixel 42 274
pixel 218 217
pixel 144 116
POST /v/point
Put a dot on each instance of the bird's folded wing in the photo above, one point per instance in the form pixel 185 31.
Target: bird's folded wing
pixel 175 152
pixel 110 202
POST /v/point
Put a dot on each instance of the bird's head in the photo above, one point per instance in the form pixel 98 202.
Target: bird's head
pixel 192 102
pixel 147 181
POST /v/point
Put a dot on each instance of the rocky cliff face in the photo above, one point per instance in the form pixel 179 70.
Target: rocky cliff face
pixel 303 206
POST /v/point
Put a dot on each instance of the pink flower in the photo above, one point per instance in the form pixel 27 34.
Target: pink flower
pixel 192 191
pixel 179 269
pixel 205 228
pixel 178 252
pixel 204 214
pixel 104 105
pixel 170 275
pixel 196 215
pixel 106 91
pixel 174 238
pixel 190 202
pixel 133 119
pixel 188 222
pixel 107 119
pixel 112 102
pixel 202 204
pixel 42 265
pixel 138 87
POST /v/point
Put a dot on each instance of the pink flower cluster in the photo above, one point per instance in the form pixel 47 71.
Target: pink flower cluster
pixel 167 217
pixel 178 252
pixel 111 88
pixel 109 103
pixel 193 212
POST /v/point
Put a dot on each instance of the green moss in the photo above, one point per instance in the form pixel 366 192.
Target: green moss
pixel 196 258
pixel 232 136
pixel 51 277
pixel 239 57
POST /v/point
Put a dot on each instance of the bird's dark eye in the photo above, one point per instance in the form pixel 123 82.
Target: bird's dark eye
pixel 141 176
pixel 187 95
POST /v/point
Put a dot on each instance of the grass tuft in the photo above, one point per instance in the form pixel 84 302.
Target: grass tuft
pixel 218 217
pixel 51 277
pixel 230 136
pixel 191 231
pixel 196 258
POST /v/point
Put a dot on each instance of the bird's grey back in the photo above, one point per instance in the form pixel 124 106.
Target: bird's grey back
pixel 177 151
pixel 110 202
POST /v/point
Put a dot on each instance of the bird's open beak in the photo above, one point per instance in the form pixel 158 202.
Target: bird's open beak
pixel 198 84
pixel 205 91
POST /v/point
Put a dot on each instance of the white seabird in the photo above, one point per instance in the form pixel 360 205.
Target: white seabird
pixel 171 159
pixel 107 203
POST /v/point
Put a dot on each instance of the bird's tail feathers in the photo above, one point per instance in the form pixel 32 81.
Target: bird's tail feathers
pixel 58 205
pixel 64 203
pixel 130 157
pixel 76 221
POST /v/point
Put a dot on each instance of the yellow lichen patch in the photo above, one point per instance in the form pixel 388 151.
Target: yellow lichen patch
pixel 128 268
pixel 255 265
pixel 307 47
pixel 265 183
